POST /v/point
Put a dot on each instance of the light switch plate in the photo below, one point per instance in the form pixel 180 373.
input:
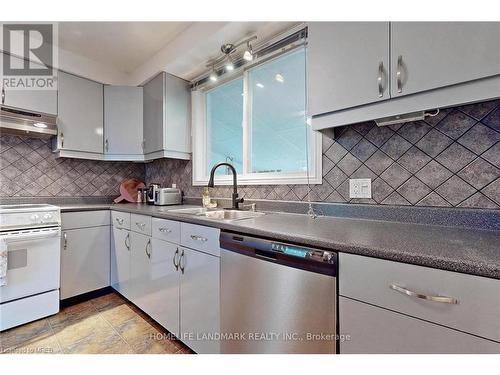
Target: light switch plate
pixel 360 188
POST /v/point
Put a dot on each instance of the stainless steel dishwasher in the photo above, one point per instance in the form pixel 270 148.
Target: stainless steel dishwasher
pixel 276 297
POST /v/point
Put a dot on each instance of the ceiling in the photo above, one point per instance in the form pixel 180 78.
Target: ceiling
pixel 136 51
pixel 123 45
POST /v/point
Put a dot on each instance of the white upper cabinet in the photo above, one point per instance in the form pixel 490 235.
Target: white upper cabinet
pixel 80 119
pixel 44 101
pixel 429 55
pixel 167 118
pixel 123 122
pixel 348 64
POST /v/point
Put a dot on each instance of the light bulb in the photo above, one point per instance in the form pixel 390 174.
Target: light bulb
pixel 213 77
pixel 248 56
pixel 229 64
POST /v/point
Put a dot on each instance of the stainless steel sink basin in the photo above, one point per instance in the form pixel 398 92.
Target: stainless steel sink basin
pixel 218 214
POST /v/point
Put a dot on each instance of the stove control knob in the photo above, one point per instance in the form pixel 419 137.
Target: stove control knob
pixel 47 217
pixel 35 218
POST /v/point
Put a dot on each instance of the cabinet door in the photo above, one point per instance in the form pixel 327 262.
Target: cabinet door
pixel 85 260
pixel 80 119
pixel 140 269
pixel 123 120
pixel 346 63
pixel 373 330
pixel 178 114
pixel 120 261
pixel 429 55
pixel 154 115
pixel 44 101
pixel 162 303
pixel 199 300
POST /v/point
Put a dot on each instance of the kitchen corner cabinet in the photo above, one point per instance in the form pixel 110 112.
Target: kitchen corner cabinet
pixel 348 64
pixel 123 123
pixel 120 260
pixel 167 118
pixel 80 117
pixel 85 252
pixel 44 101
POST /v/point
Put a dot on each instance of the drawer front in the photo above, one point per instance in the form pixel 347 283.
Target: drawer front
pixel 140 224
pixel 84 219
pixel 383 283
pixel 367 329
pixel 201 238
pixel 120 219
pixel 167 230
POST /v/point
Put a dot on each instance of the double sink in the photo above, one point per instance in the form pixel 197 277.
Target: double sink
pixel 218 214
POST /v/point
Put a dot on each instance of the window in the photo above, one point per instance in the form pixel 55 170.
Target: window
pixel 257 122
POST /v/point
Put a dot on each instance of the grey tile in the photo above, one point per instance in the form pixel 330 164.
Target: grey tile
pixel 10 172
pixel 455 190
pixel 395 199
pixel 326 165
pixel 336 152
pixel 11 155
pixel 433 143
pixel 363 150
pixel 492 191
pixel 433 174
pixel 363 172
pixel 493 119
pixel 326 142
pixel 433 200
pixel 335 197
pixel 320 192
pixel 396 146
pixel 300 191
pixel 455 157
pixel 335 177
pixel 349 138
pixel 413 190
pixel 380 190
pixel 395 175
pixel 378 162
pixel 493 155
pixel 479 173
pixel 414 159
pixel 379 135
pixel 479 138
pixel 478 200
pixel 363 127
pixel 414 131
pixel 455 124
pixel 479 110
pixel 434 120
pixel 343 190
pixel 349 164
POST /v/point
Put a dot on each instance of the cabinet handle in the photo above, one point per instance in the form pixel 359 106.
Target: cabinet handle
pixel 148 249
pixel 62 140
pixel 198 238
pixel 165 230
pixel 176 263
pixel 441 299
pixel 181 263
pixel 127 241
pixel 106 145
pixel 119 220
pixel 140 225
pixel 3 94
pixel 65 237
pixel 399 74
pixel 380 79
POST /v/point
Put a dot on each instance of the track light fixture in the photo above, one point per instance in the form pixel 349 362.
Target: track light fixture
pixel 213 74
pixel 248 55
pixel 229 65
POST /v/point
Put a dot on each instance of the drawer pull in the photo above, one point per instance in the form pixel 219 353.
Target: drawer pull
pixel 411 293
pixel 140 225
pixel 119 220
pixel 165 230
pixel 198 238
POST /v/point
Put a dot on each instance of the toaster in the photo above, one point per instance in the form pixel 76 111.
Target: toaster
pixel 167 196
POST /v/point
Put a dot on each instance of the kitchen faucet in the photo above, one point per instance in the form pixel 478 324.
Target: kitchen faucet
pixel 236 200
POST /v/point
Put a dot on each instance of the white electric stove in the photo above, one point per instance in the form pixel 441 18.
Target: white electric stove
pixel 30 235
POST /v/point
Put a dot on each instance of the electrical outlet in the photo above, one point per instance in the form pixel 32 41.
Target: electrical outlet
pixel 360 188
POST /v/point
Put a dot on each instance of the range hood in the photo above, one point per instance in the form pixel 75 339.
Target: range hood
pixel 22 122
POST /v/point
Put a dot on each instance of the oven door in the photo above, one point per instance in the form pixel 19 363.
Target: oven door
pixel 33 262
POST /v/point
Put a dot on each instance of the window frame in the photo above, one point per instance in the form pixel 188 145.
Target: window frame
pixel 200 172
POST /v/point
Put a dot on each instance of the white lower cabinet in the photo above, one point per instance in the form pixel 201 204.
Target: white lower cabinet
pixel 140 269
pixel 120 261
pixel 199 300
pixel 85 257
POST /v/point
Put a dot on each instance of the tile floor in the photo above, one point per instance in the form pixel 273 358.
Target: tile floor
pixel 104 325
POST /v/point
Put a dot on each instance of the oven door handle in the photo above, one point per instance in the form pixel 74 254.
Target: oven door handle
pixel 31 235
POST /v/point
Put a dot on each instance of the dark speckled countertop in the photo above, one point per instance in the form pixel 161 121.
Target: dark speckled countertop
pixel 471 251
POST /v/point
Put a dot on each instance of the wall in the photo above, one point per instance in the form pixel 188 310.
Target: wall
pixel 28 168
pixel 451 160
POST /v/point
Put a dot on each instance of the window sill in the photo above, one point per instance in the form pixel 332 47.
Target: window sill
pixel 261 180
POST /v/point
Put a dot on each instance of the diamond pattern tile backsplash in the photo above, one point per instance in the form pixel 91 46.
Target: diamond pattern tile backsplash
pixel 28 168
pixel 450 160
